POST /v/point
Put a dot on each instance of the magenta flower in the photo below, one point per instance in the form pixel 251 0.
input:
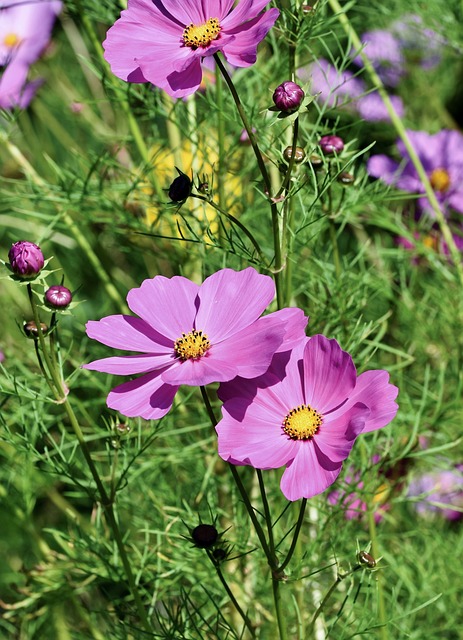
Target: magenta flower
pixel 25 30
pixel 164 41
pixel 305 414
pixel 192 334
pixel 442 157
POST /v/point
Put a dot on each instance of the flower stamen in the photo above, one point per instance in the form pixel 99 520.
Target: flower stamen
pixel 11 40
pixel 191 346
pixel 302 423
pixel 440 180
pixel 201 35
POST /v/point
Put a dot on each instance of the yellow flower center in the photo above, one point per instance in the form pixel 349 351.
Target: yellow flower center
pixel 11 40
pixel 201 35
pixel 191 346
pixel 302 423
pixel 440 180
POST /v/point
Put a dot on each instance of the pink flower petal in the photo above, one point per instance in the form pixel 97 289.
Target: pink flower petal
pixel 329 374
pixel 232 300
pixel 308 474
pixel 167 304
pixel 129 365
pixel 244 11
pixel 184 83
pixel 130 334
pixel 374 390
pixel 252 349
pixel 200 372
pixel 336 436
pixel 147 397
pixel 242 52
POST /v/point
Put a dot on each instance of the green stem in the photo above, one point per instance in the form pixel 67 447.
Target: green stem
pixel 297 530
pixel 278 266
pixel 220 137
pixel 61 397
pixel 268 519
pixel 232 597
pixel 398 124
pixel 240 486
pixel 235 221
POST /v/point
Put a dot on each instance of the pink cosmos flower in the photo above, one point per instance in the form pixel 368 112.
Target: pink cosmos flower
pixel 192 334
pixel 164 41
pixel 304 415
pixel 25 29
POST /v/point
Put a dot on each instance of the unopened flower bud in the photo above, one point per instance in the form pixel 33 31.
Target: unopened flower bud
pixel 346 178
pixel 205 536
pixel 316 161
pixel 288 96
pixel 307 8
pixel 31 330
pixel 58 297
pixel 203 187
pixel 180 189
pixel 366 559
pixel 26 259
pixel 299 154
pixel 331 145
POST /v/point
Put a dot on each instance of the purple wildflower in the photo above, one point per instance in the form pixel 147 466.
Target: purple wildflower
pixel 164 41
pixel 303 414
pixel 372 108
pixel 192 334
pixel 383 50
pixel 439 493
pixel 442 157
pixel 25 30
pixel 418 43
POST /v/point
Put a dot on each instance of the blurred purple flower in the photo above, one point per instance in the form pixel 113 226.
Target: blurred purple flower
pixel 442 157
pixel 372 108
pixel 419 44
pixel 336 88
pixel 25 30
pixel 2 356
pixel 165 41
pixel 440 492
pixel 383 50
pixel 342 89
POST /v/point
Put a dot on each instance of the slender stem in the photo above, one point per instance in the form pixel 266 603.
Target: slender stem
pixel 292 160
pixel 220 137
pixel 240 485
pixel 278 608
pixel 268 519
pixel 322 604
pixel 235 221
pixel 399 126
pixel 278 266
pixel 297 530
pixel 232 597
pixel 61 396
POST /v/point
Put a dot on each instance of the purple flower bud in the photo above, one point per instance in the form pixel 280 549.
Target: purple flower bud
pixel 288 96
pixel 331 145
pixel 26 259
pixel 58 297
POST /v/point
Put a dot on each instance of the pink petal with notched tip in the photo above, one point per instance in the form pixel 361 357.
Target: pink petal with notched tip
pixel 166 304
pixel 231 300
pixel 329 374
pixel 147 397
pixel 309 474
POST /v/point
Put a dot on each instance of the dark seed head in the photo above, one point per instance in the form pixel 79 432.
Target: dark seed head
pixel 205 536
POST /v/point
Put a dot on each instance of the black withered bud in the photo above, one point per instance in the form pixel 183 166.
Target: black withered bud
pixel 205 536
pixel 180 189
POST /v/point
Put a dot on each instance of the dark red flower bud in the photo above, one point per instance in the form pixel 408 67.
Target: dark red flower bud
pixel 288 96
pixel 366 559
pixel 58 297
pixel 26 259
pixel 331 145
pixel 180 189
pixel 205 536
